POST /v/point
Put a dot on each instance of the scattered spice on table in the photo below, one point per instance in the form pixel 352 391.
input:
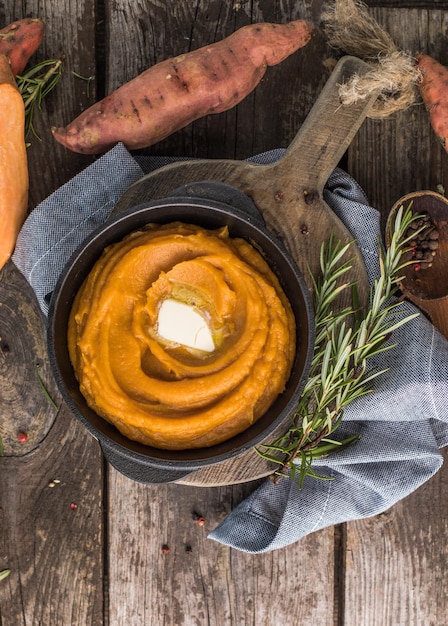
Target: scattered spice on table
pixel 199 519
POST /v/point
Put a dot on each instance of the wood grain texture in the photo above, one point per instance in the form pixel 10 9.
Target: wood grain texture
pixel 50 164
pixel 396 562
pixel 51 531
pixel 55 554
pixel 24 368
pixel 199 581
pixel 410 4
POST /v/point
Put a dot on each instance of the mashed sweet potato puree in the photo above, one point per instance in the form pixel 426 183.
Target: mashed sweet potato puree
pixel 165 394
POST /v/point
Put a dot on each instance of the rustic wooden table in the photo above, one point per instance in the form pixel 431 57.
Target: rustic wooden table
pixel 83 543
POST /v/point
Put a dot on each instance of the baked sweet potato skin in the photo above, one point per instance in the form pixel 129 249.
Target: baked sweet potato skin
pixel 20 40
pixel 434 91
pixel 13 162
pixel 175 92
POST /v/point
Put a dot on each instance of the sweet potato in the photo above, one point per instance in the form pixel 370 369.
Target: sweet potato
pixel 20 40
pixel 177 91
pixel 434 91
pixel 13 161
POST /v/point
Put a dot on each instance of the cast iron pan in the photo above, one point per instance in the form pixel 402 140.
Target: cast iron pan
pixel 210 205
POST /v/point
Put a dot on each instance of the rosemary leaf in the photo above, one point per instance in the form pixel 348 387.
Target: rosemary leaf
pixel 330 445
pixel 401 322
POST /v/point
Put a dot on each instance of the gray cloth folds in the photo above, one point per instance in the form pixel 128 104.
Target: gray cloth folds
pixel 402 424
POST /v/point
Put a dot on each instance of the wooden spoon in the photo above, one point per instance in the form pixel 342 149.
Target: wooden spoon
pixel 428 287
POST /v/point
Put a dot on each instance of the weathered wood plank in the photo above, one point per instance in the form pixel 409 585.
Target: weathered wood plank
pixel 410 4
pixel 26 413
pixel 51 531
pixel 210 584
pixel 395 563
pixel 200 581
pixel 53 549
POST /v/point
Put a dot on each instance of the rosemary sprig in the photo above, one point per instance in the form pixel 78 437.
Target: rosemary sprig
pixel 345 341
pixel 35 84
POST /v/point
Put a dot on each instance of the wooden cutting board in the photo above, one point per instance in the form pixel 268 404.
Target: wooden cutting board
pixel 289 194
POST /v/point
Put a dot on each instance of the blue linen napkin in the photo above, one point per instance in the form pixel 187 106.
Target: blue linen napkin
pixel 402 425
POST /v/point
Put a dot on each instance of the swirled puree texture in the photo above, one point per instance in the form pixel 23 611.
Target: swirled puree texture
pixel 158 391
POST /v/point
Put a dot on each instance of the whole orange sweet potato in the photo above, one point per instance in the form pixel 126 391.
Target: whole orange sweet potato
pixel 20 40
pixel 13 161
pixel 175 92
pixel 434 92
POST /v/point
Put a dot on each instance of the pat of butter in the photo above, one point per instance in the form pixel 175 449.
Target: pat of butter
pixel 180 323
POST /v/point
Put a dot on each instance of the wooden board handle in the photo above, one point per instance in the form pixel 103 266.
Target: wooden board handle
pixel 328 129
